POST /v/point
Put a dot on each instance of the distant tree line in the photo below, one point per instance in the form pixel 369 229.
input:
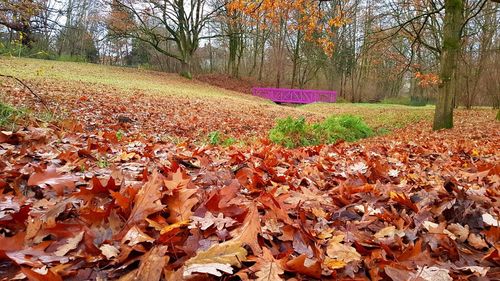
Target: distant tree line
pixel 370 51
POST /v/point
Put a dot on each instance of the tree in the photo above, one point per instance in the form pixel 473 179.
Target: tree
pixel 161 22
pixel 19 15
pixel 452 33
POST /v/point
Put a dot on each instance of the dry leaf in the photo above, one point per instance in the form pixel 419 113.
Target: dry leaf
pixel 433 274
pixel 109 251
pixel 340 253
pixel 152 264
pixel 220 222
pixel 267 268
pixel 71 244
pixel 211 268
pixel 219 257
pixel 436 228
pixel 490 220
pixel 482 271
pixel 249 231
pixel 135 236
pixel 476 241
pixel 180 204
pixel 51 177
pixel 459 231
pixel 389 232
pixel 147 200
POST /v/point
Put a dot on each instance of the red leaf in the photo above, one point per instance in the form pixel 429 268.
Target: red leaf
pixel 51 177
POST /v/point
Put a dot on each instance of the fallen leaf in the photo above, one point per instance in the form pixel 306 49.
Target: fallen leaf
pixel 249 231
pixel 341 253
pixel 36 276
pixel 109 251
pixel 267 268
pixel 436 228
pixel 180 204
pixel 459 231
pixel 147 200
pixel 135 236
pixel 51 177
pixel 211 268
pixel 220 222
pixel 482 271
pixel 152 264
pixel 433 274
pixel 71 244
pixel 302 264
pixel 476 241
pixel 389 232
pixel 402 199
pixel 171 227
pixel 490 220
pixel 219 257
pixel 177 180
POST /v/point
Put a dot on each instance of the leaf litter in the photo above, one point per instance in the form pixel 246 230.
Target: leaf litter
pixel 412 205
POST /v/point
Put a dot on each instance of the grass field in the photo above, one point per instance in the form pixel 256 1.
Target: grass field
pixel 168 104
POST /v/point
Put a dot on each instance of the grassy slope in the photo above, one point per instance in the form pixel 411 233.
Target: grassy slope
pixel 126 81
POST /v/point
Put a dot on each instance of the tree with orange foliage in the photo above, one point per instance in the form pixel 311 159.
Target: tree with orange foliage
pixel 310 17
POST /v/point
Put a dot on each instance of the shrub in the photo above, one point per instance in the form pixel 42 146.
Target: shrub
pixel 292 133
pixel 344 127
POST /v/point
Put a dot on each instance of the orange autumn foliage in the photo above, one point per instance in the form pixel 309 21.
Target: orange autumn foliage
pixel 304 15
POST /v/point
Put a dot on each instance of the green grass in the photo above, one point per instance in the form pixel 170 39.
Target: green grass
pixel 9 115
pixel 292 132
pixel 217 138
pixel 384 117
pixel 128 80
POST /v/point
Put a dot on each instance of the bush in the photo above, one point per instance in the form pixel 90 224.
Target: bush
pixel 15 49
pixel 344 127
pixel 292 133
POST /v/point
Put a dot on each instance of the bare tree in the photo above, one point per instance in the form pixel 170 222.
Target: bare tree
pixel 159 23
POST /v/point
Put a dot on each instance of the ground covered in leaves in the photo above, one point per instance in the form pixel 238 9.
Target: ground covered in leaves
pixel 415 205
pixel 109 198
pixel 167 105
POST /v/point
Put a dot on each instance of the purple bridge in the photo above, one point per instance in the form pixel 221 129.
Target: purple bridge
pixel 281 95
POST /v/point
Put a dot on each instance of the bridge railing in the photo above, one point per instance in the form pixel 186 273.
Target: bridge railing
pixel 283 95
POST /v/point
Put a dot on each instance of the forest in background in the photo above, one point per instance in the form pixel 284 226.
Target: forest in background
pixel 369 51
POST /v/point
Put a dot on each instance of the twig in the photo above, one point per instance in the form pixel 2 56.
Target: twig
pixel 40 99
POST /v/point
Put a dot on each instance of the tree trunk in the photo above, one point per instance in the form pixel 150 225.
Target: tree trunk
pixel 261 64
pixel 295 59
pixel 186 68
pixel 443 117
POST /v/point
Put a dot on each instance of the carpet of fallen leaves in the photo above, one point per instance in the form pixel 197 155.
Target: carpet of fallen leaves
pixel 101 107
pixel 414 205
pixel 225 81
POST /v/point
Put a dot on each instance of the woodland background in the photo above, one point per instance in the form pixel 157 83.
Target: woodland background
pixel 369 51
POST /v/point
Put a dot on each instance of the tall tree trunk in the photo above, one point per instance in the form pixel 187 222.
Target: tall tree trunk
pixel 453 20
pixel 295 59
pixel 255 49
